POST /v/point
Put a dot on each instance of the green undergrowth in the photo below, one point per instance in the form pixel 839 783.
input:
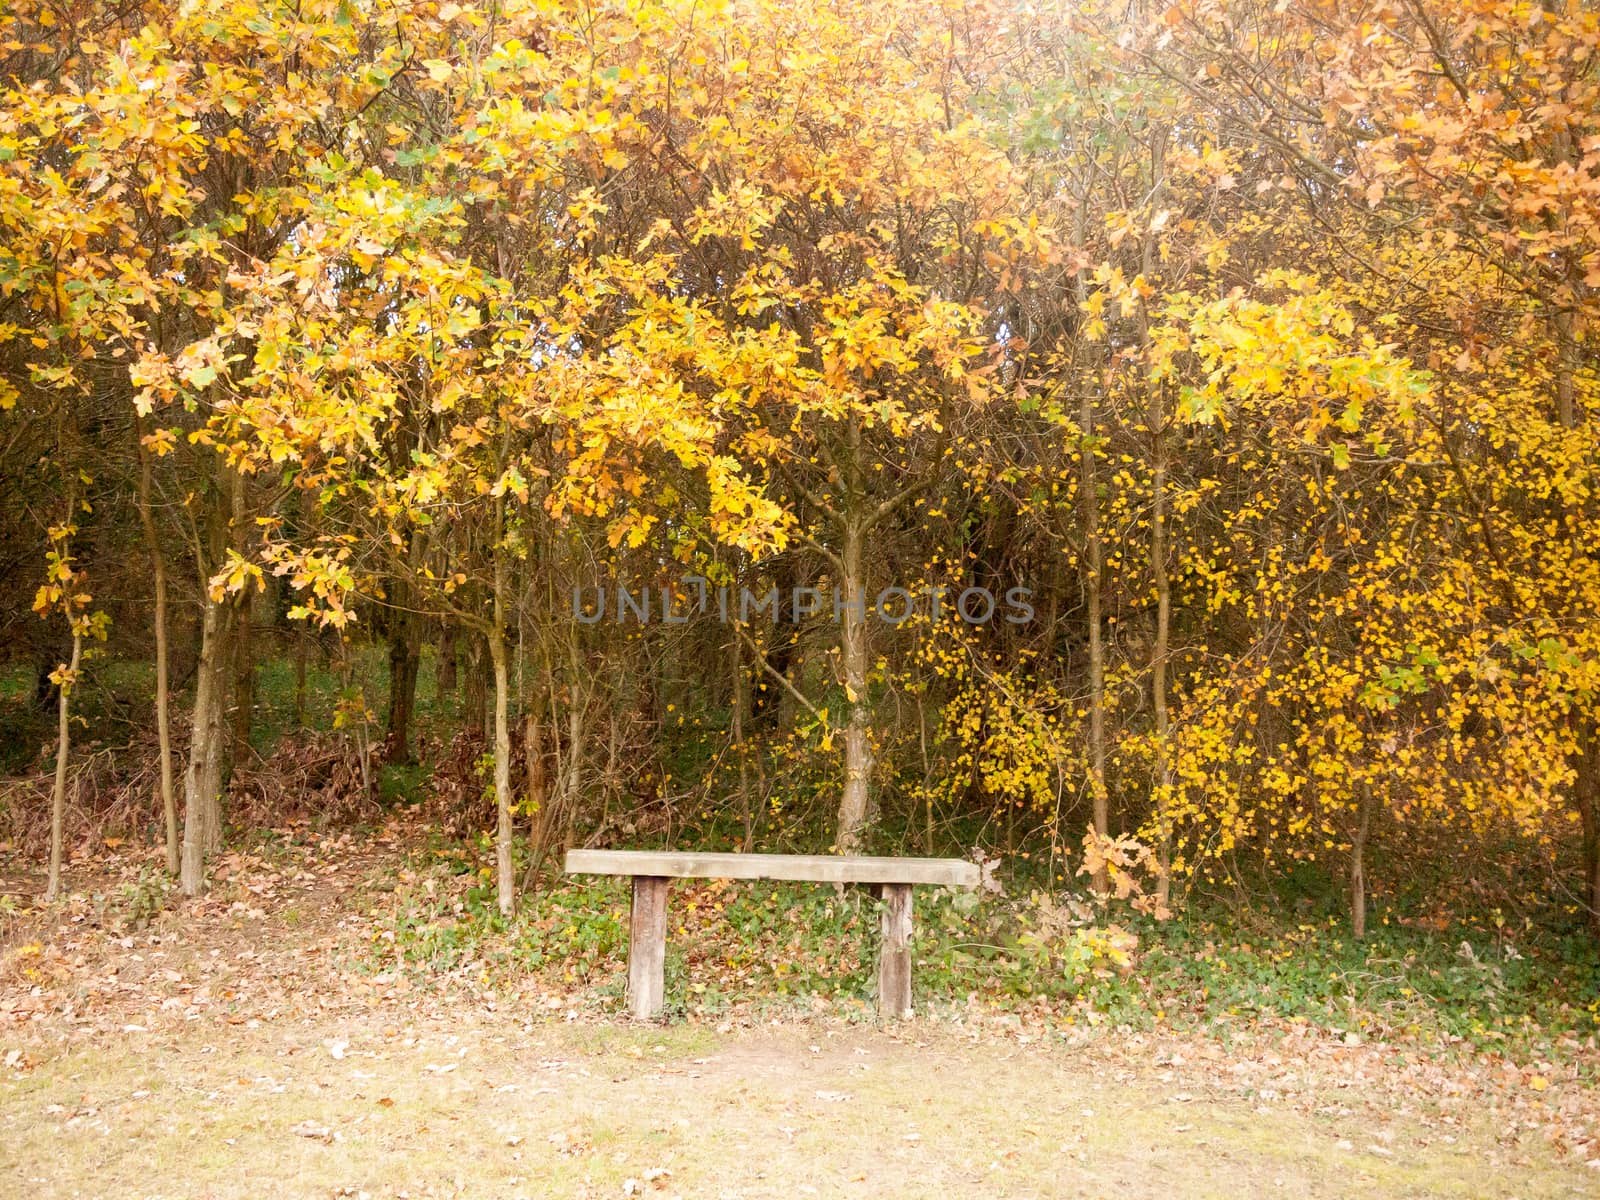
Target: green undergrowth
pixel 1527 991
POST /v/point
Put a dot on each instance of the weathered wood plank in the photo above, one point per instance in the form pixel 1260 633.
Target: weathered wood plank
pixel 811 868
pixel 894 954
pixel 647 947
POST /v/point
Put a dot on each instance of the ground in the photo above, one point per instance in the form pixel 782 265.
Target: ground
pixel 251 1044
pixel 498 1107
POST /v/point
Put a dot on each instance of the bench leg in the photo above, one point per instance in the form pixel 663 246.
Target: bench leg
pixel 647 947
pixel 894 955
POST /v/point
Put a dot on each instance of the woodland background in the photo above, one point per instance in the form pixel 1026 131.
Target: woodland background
pixel 340 340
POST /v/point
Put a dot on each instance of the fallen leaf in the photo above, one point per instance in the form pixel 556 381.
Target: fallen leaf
pixel 310 1129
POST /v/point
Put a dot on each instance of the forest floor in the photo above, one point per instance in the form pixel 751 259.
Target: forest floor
pixel 256 1043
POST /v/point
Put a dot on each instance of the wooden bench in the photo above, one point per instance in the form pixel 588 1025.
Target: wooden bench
pixel 651 871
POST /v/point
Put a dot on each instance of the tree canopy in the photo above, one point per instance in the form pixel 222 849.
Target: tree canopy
pixel 1241 353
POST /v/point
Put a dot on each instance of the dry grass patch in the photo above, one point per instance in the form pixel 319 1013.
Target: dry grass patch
pixel 493 1108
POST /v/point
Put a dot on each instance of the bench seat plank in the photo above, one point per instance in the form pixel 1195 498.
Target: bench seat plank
pixel 811 868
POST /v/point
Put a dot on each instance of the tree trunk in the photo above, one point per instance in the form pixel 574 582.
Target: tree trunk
pixel 58 795
pixel 302 640
pixel 1157 420
pixel 204 776
pixel 475 704
pixel 404 659
pixel 773 705
pixel 202 783
pixel 505 883
pixel 1586 793
pixel 572 772
pixel 739 715
pixel 1088 501
pixel 1586 786
pixel 1358 864
pixel 445 682
pixel 241 708
pixel 1158 660
pixel 505 832
pixel 158 566
pixel 853 804
pixel 1092 586
pixel 541 812
pixel 46 695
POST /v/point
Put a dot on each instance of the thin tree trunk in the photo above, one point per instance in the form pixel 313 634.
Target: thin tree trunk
pixel 1587 796
pixel 740 703
pixel 927 776
pixel 242 705
pixel 45 693
pixel 445 681
pixel 1586 787
pixel 239 705
pixel 404 660
pixel 58 795
pixel 1097 654
pixel 1158 657
pixel 158 564
pixel 302 638
pixel 505 883
pixel 1157 419
pixel 505 832
pixel 570 758
pixel 769 705
pixel 208 739
pixel 1090 506
pixel 476 692
pixel 403 664
pixel 1358 864
pixel 202 784
pixel 853 804
pixel 541 812
pixel 65 681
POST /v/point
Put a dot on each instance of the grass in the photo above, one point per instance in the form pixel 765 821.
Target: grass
pixel 24 726
pixel 1508 989
pixel 514 1109
pixel 1531 992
